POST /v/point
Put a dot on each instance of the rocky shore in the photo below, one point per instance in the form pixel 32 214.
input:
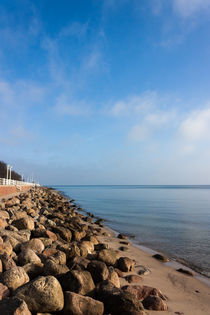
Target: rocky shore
pixel 56 260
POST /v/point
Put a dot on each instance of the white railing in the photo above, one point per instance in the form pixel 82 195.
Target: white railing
pixel 4 181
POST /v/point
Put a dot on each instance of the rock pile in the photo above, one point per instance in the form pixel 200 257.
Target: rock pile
pixel 51 261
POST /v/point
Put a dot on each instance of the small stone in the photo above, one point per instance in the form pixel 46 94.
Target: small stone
pixel 160 257
pixel 123 248
pixel 133 279
pixel 76 304
pixel 13 306
pixel 122 236
pixel 186 272
pixel 144 271
pixel 54 269
pixel 153 302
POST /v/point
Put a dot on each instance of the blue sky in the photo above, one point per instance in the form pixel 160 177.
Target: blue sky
pixel 106 91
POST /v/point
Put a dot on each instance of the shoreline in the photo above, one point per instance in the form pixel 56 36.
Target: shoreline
pixel 84 267
pixel 174 263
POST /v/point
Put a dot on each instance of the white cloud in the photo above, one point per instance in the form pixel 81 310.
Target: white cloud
pixel 65 106
pixel 187 8
pixel 136 104
pixel 196 126
pixel 139 133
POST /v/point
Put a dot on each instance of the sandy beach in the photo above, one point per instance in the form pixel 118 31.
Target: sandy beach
pixel 185 295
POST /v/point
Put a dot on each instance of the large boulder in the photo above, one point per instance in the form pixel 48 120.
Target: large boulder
pixel 14 278
pixel 141 292
pixel 14 306
pixel 44 294
pixel 35 244
pixel 26 223
pixel 125 264
pixel 64 233
pixel 76 304
pixel 155 303
pixel 4 291
pixel 117 301
pixel 28 256
pixel 76 281
pixel 98 270
pixel 113 277
pixel 54 269
pixel 108 256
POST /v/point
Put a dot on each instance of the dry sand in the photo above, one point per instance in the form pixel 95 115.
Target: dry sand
pixel 185 294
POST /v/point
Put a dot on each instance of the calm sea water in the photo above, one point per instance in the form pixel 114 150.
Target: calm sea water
pixel 172 219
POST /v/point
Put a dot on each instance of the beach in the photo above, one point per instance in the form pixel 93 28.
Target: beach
pixel 57 259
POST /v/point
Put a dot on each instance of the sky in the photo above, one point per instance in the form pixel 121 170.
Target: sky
pixel 106 91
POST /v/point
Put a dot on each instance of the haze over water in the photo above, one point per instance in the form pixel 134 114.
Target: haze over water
pixel 171 219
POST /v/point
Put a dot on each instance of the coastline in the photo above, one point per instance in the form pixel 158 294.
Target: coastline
pixel 183 291
pixel 45 237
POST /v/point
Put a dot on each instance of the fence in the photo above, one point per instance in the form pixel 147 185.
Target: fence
pixel 12 182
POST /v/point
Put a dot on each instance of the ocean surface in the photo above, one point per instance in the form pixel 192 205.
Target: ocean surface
pixel 174 220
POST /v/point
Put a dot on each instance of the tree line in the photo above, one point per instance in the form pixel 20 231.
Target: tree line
pixel 3 172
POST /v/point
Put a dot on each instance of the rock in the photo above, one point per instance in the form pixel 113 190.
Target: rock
pixel 117 301
pixel 14 306
pixel 113 277
pixel 125 264
pixel 44 294
pixel 21 236
pixel 160 257
pixel 6 247
pixel 51 235
pixel 123 248
pixel 76 281
pixel 122 236
pixel 91 238
pixel 78 234
pixel 35 244
pixel 155 303
pixel 3 223
pixel 133 279
pixel 76 304
pixel 34 270
pixel 108 256
pixel 101 246
pixel 119 272
pixel 125 242
pixel 14 278
pixel 98 270
pixel 28 256
pixel 88 245
pixel 56 255
pixel 79 261
pixel 54 269
pixel 141 292
pixel 7 262
pixel 186 272
pixel 26 223
pixel 4 291
pixel 144 271
pixel 64 233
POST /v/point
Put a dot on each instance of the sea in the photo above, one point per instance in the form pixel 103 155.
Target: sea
pixel 173 220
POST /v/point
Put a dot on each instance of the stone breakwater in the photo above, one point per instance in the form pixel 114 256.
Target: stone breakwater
pixel 52 260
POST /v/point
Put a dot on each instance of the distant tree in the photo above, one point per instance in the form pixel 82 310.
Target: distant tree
pixel 3 172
